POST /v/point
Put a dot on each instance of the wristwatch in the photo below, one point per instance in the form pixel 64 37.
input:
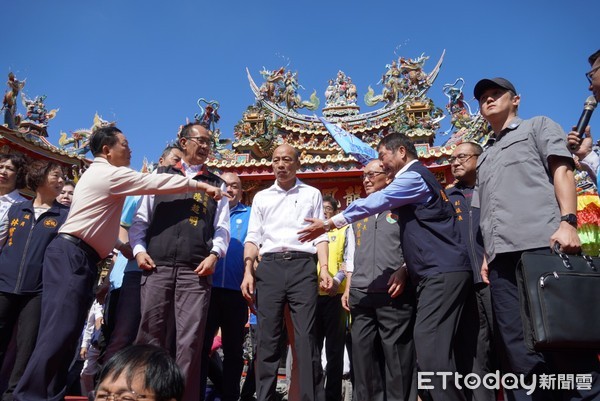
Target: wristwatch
pixel 215 253
pixel 326 225
pixel 570 218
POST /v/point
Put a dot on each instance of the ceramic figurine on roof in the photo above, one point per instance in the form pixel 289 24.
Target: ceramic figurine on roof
pixel 37 116
pixel 281 87
pixel 340 95
pixel 36 110
pixel 404 78
pixel 208 116
pixel 9 102
pixel 465 126
pixel 79 142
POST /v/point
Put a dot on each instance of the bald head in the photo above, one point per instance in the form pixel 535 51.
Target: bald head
pixel 234 187
pixel 286 162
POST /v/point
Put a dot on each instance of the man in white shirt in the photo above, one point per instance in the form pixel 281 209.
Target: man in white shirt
pixel 177 240
pixel 285 274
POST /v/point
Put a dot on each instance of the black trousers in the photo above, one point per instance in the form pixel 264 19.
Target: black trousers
pixel 229 311
pixel 518 358
pixel 382 346
pixel 440 302
pixel 331 329
pixel 24 312
pixel 292 282
pixel 69 276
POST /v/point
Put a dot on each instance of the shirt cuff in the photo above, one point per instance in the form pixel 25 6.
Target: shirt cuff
pixel 138 248
pixel 339 220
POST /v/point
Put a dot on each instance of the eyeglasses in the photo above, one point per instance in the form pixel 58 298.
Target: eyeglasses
pixel 461 157
pixel 122 396
pixel 199 141
pixel 590 75
pixel 372 174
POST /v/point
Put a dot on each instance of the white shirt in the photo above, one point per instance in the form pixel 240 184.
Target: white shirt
pixel 6 201
pixel 277 215
pixel 143 217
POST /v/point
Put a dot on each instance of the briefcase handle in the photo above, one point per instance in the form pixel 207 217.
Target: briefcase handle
pixel 567 263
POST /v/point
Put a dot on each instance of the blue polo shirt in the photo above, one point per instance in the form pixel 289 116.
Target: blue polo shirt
pixel 230 269
pixel 122 264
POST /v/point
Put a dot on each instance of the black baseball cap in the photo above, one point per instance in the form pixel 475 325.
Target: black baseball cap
pixel 486 83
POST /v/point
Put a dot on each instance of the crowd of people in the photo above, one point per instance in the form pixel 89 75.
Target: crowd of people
pixel 414 279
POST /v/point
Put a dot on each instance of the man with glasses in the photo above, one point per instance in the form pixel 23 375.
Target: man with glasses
pixel 582 147
pixel 177 241
pixel 477 329
pixel 382 303
pixel 526 192
pixel 437 261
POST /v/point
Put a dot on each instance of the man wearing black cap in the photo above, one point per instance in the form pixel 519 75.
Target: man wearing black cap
pixel 526 192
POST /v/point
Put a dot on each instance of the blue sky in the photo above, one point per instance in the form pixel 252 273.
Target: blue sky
pixel 145 63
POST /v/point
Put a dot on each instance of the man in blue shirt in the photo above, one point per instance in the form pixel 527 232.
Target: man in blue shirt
pixel 436 259
pixel 228 308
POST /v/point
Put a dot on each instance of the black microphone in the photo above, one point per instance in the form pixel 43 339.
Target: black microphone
pixel 588 109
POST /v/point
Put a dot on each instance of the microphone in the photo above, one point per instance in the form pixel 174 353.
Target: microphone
pixel 588 109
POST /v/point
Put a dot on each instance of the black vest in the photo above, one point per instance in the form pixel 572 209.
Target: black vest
pixel 431 240
pixel 182 225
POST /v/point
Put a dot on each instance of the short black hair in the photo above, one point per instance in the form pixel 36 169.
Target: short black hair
pixel 477 148
pixel 161 373
pixel 20 162
pixel 185 130
pixel 169 148
pixel 594 57
pixel 103 136
pixel 37 172
pixel 395 140
pixel 332 200
pixel 70 182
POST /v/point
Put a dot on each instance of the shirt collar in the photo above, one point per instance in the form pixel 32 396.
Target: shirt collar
pixel 406 166
pixel 190 170
pixel 99 159
pixel 514 123
pixel 238 207
pixel 276 186
pixel 12 197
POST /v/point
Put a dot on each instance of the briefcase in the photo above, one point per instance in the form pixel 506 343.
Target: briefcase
pixel 560 300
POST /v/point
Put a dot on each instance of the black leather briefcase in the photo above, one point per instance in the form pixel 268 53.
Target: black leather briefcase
pixel 560 300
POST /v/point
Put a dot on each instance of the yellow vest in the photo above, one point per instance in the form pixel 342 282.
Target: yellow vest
pixel 337 245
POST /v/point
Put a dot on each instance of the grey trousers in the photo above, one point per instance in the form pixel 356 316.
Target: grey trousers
pixel 176 292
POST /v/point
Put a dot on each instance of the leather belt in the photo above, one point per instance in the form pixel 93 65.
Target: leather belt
pixel 81 244
pixel 287 255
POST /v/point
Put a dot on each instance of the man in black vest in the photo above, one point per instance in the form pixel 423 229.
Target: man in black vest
pixel 177 240
pixel 437 260
pixel 382 307
pixel 477 329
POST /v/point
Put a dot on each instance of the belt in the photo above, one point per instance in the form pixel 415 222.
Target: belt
pixel 81 244
pixel 287 255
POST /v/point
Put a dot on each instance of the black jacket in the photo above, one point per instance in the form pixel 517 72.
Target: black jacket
pixel 22 254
